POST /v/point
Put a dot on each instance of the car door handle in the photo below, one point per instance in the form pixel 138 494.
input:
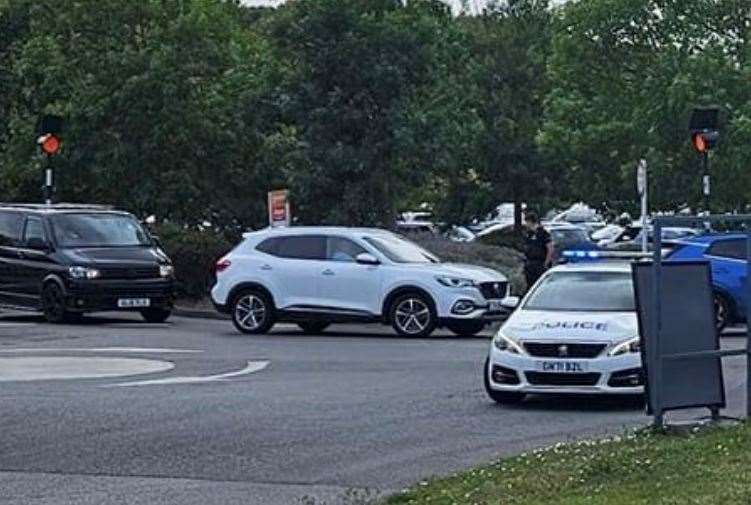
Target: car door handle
pixel 266 267
pixel 328 272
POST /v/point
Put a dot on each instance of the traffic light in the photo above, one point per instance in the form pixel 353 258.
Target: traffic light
pixel 704 141
pixel 704 128
pixel 48 131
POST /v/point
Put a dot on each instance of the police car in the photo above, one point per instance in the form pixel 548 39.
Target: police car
pixel 576 331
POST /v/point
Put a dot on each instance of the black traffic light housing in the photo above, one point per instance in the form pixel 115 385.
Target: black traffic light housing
pixel 705 128
pixel 48 133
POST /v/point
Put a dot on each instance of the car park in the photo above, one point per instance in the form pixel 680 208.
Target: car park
pixel 576 331
pixel 67 260
pixel 315 276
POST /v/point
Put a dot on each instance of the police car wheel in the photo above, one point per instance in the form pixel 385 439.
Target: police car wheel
pixel 722 311
pixel 500 397
pixel 466 328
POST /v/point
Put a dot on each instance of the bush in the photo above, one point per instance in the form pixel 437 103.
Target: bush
pixel 508 261
pixel 194 253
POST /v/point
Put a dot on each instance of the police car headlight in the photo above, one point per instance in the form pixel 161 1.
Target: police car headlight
pixel 507 344
pixel 632 345
pixel 456 282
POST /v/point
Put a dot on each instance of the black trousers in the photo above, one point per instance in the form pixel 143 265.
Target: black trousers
pixel 532 271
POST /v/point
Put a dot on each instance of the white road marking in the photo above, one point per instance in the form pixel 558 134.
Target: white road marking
pixel 252 367
pixel 37 368
pixel 127 350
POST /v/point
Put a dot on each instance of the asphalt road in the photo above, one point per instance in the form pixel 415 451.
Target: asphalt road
pixel 278 419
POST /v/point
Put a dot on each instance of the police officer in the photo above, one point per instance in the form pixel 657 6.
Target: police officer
pixel 538 249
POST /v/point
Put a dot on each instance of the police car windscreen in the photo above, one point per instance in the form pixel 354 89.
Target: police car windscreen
pixel 584 291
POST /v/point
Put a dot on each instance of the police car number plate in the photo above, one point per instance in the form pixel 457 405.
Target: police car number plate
pixel 132 303
pixel 562 366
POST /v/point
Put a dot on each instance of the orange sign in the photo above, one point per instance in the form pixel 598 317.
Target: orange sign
pixel 279 214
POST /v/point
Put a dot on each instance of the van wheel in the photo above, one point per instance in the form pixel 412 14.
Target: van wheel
pixel 500 397
pixel 253 312
pixel 413 315
pixel 313 327
pixel 721 311
pixel 53 303
pixel 466 328
pixel 156 315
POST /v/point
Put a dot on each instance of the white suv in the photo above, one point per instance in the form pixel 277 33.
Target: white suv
pixel 317 276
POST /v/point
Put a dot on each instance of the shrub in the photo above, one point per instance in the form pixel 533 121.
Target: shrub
pixel 194 253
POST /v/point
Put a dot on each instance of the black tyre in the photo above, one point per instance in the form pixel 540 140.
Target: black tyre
pixel 722 311
pixel 156 315
pixel 500 397
pixel 466 328
pixel 413 315
pixel 313 327
pixel 53 303
pixel 253 312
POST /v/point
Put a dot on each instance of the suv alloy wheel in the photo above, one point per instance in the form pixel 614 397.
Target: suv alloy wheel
pixel 253 312
pixel 412 315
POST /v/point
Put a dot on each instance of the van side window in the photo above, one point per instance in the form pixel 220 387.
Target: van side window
pixel 11 224
pixel 34 230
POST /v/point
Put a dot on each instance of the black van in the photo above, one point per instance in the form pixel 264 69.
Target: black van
pixel 66 260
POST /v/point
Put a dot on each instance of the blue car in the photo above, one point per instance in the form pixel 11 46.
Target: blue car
pixel 726 253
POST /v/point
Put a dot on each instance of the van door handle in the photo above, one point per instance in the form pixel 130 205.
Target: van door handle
pixel 328 272
pixel 266 267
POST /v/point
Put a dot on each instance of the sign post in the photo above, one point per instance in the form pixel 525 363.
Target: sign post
pixel 641 183
pixel 279 211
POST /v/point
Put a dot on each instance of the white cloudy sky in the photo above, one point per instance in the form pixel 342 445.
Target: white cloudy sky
pixel 473 4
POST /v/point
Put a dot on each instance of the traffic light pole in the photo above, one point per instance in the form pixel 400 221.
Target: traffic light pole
pixel 49 182
pixel 706 187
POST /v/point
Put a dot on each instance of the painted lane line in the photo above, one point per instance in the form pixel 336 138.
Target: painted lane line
pixel 126 350
pixel 40 368
pixel 252 367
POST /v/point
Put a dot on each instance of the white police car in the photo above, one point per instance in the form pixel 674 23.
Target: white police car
pixel 576 331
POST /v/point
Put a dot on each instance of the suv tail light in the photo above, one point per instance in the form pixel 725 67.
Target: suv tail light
pixel 222 265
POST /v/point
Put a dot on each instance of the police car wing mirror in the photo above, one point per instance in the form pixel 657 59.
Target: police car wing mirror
pixel 510 302
pixel 367 259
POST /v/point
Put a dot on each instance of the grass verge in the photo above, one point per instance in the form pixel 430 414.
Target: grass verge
pixel 707 467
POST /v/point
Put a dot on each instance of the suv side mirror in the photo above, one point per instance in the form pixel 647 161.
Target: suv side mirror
pixel 38 244
pixel 367 259
pixel 510 302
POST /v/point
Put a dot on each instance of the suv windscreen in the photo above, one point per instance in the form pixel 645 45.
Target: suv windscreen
pixel 400 250
pixel 98 230
pixel 584 291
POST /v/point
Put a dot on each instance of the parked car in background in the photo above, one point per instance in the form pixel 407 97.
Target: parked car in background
pixel 67 260
pixel 315 276
pixel 569 237
pixel 726 253
pixel 460 234
pixel 669 235
pixel 416 227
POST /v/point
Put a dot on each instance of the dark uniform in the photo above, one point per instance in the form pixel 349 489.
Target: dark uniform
pixel 535 252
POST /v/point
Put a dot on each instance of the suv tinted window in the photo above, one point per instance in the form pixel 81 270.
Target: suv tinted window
pixel 268 246
pixel 342 249
pixel 34 229
pixel 11 224
pixel 735 248
pixel 304 247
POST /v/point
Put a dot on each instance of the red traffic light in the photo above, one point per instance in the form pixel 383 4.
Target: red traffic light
pixel 700 144
pixel 50 144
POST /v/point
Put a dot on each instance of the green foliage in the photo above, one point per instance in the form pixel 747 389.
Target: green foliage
pixel 192 110
pixel 193 252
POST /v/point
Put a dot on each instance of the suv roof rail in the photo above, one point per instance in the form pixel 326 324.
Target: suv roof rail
pixel 56 206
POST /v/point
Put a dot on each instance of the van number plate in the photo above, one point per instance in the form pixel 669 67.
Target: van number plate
pixel 133 303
